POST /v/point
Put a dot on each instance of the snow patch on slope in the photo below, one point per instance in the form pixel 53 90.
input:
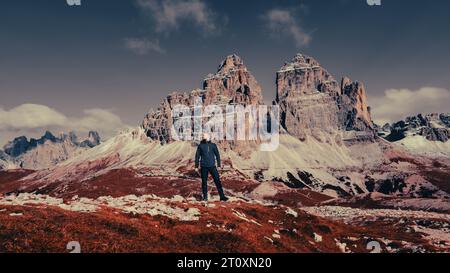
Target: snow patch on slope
pixel 420 145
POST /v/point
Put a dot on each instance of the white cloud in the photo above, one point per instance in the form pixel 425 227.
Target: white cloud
pixel 32 120
pixel 142 46
pixel 396 104
pixel 282 22
pixel 170 14
pixel 31 116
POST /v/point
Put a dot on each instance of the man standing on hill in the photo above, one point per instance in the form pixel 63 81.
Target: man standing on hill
pixel 206 155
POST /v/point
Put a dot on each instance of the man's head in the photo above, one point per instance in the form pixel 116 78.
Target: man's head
pixel 206 137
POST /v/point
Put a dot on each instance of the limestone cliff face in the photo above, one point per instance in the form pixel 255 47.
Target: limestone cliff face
pixel 312 100
pixel 233 81
pixel 355 103
pixel 303 76
pixel 232 84
pixel 158 124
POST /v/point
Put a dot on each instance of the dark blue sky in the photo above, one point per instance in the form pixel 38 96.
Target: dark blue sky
pixel 75 58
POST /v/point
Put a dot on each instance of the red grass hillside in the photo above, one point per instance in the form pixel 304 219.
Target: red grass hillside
pixel 231 227
pixel 9 180
pixel 121 182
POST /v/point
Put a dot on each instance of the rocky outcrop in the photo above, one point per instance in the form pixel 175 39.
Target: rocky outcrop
pixel 46 151
pixel 233 81
pixel 158 124
pixel 17 147
pixel 4 160
pixel 231 84
pixel 312 100
pixel 21 145
pixel 433 127
pixel 356 112
pixel 92 140
pixel 303 76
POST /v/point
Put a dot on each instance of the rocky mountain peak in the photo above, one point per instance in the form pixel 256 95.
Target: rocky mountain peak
pixel 17 146
pixel 433 127
pixel 345 82
pixel 69 137
pixel 304 75
pixel 48 136
pixel 22 145
pixel 234 82
pixel 92 140
pixel 300 61
pixel 356 92
pixel 231 62
pixel 312 100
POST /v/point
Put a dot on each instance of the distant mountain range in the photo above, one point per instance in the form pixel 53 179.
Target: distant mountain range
pixel 421 134
pixel 46 151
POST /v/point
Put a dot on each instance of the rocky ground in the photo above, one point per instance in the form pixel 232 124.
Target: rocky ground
pixel 145 224
pixel 260 217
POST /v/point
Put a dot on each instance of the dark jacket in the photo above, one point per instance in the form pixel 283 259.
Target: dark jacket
pixel 207 154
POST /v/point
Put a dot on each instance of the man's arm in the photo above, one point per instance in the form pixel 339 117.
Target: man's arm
pixel 217 154
pixel 197 157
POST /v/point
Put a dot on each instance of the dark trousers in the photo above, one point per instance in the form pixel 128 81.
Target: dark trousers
pixel 215 174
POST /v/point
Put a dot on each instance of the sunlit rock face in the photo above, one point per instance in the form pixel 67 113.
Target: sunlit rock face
pixel 231 84
pixel 233 81
pixel 311 100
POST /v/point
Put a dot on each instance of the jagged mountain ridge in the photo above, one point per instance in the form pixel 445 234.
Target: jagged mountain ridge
pixel 433 127
pixel 46 151
pixel 425 134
